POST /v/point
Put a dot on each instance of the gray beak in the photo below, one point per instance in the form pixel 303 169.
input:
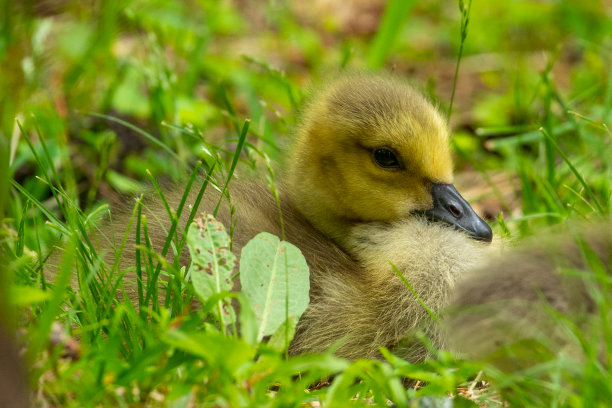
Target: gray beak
pixel 451 208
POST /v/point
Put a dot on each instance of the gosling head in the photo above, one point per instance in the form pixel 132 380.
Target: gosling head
pixel 373 149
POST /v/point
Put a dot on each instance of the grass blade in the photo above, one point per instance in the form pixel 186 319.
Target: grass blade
pixel 574 170
pixel 465 19
pixel 395 14
pixel 141 132
pixel 243 134
pixel 417 297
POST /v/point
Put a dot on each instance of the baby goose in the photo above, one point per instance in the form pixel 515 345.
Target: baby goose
pixel 370 171
pixel 370 166
pixel 514 298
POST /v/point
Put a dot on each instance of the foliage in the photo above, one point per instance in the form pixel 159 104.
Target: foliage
pixel 212 264
pixel 101 99
pixel 275 279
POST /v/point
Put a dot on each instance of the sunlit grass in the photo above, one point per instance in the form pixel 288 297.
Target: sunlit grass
pixel 132 94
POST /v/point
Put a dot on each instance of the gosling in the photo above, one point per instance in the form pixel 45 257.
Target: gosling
pixel 368 190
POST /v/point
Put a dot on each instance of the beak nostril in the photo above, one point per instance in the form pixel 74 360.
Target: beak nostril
pixel 454 210
pixel 451 208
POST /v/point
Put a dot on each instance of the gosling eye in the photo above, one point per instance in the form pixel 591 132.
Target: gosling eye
pixel 386 158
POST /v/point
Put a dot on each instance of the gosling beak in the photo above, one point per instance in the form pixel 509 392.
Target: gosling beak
pixel 451 208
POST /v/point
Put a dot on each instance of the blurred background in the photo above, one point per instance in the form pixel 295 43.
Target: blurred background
pixel 93 77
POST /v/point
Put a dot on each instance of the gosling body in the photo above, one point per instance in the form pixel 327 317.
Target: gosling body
pixel 517 297
pixel 362 194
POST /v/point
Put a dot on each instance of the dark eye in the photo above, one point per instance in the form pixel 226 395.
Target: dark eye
pixel 386 158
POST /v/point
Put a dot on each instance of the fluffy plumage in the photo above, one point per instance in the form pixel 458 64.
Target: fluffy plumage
pixel 351 217
pixel 513 298
pixel 333 179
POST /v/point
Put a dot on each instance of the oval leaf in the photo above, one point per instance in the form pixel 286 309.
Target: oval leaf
pixel 212 262
pixel 268 268
pixel 219 351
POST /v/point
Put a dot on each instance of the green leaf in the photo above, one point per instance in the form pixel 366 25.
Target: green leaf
pixel 396 12
pixel 27 295
pixel 122 183
pixel 283 335
pixel 248 321
pixel 218 350
pixel 274 273
pixel 212 263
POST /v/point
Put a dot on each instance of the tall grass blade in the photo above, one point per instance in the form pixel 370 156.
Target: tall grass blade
pixel 416 295
pixel 241 139
pixel 574 170
pixel 141 132
pixel 390 26
pixel 465 19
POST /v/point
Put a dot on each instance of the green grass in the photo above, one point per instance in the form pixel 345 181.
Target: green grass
pixel 132 93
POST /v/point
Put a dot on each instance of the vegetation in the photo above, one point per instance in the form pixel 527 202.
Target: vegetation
pixel 104 99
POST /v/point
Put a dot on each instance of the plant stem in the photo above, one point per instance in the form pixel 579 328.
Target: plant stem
pixel 465 19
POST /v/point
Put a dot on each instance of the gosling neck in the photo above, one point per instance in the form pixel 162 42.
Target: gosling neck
pixel 333 225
